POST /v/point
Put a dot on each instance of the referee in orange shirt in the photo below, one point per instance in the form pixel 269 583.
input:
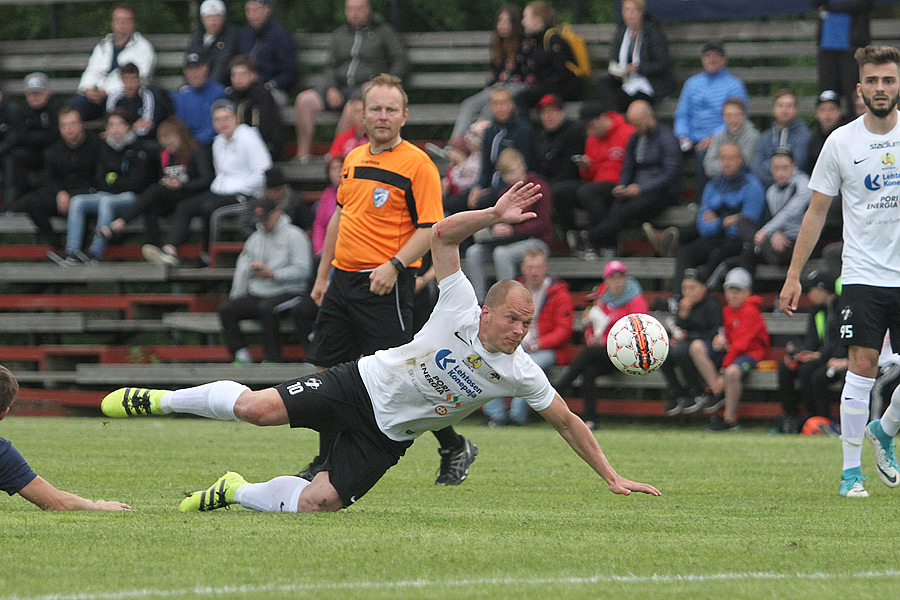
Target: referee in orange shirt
pixel 388 199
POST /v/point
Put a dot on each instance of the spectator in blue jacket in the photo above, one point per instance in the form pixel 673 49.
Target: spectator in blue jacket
pixel 698 115
pixel 194 100
pixel 650 178
pixel 271 47
pixel 736 195
pixel 787 132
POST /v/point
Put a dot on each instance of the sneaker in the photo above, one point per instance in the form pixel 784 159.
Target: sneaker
pixel 85 258
pixel 311 470
pixel 455 463
pixel 590 253
pixel 158 256
pixel 668 242
pixel 851 484
pixel 885 461
pixel 714 404
pixel 694 404
pixel 654 235
pixel 132 402
pixel 59 259
pixel 674 406
pixel 575 242
pixel 218 495
pixel 718 424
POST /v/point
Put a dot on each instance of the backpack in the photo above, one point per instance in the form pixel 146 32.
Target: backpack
pixel 582 65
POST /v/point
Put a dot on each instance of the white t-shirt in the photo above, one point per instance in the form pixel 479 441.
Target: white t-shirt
pixel 445 373
pixel 863 167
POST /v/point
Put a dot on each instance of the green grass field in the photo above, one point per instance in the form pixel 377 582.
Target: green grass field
pixel 743 515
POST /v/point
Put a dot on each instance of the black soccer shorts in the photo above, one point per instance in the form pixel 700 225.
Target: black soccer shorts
pixel 867 312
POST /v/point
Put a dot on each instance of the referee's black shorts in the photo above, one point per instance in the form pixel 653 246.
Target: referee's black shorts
pixel 354 322
pixel 336 404
pixel 868 312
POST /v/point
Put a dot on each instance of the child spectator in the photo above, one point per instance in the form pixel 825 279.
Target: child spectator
pixel 806 372
pixel 696 323
pixel 355 135
pixel 735 350
pixel 617 296
pixel 147 108
pixel 255 105
pixel 186 171
pixel 327 203
pixel 465 168
pixel 544 58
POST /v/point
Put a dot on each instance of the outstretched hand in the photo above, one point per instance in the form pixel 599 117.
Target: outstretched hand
pixel 510 208
pixel 626 486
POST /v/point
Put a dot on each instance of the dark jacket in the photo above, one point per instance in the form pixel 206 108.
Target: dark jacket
pixel 72 169
pixel 860 13
pixel 515 133
pixel 654 55
pixel 555 149
pixel 273 50
pixel 544 66
pixel 742 194
pixel 198 170
pixel 816 142
pixel 357 56
pixel 41 125
pixel 823 331
pixel 219 52
pixel 703 320
pixel 657 166
pixel 257 108
pixel 130 169
pixel 11 125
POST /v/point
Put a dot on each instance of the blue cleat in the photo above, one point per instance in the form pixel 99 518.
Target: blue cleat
pixel 885 461
pixel 851 484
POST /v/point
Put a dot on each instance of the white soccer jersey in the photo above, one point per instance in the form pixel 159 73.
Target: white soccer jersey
pixel 862 167
pixel 445 373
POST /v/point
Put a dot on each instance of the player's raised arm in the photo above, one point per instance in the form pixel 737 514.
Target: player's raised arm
pixel 448 233
pixel 807 239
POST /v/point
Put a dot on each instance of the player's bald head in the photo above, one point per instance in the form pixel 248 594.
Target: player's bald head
pixel 501 291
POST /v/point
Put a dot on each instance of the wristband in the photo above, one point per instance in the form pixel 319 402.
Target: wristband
pixel 398 266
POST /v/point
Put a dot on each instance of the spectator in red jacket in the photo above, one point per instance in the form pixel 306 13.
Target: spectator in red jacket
pixel 619 295
pixel 599 167
pixel 735 351
pixel 548 339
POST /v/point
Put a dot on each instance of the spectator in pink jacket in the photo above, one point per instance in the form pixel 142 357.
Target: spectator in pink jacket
pixel 327 203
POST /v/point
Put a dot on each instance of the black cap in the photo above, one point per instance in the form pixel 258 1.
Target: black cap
pixel 697 274
pixel 783 151
pixel 591 110
pixel 262 208
pixel 713 46
pixel 829 96
pixel 274 178
pixel 820 279
pixel 192 58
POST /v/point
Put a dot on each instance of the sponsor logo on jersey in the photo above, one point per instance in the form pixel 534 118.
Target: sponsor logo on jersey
pixel 887 160
pixel 441 410
pixel 494 376
pixel 846 313
pixel 474 361
pixel 856 161
pixel 442 359
pixel 884 202
pixel 879 180
pixel 295 388
pixel 434 381
pixel 871 182
pixel 380 196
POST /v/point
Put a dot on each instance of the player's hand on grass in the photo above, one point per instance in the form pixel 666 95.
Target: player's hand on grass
pixel 111 505
pixel 790 296
pixel 626 486
pixel 510 208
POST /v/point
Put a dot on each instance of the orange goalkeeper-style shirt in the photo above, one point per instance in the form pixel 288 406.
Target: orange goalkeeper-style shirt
pixel 384 198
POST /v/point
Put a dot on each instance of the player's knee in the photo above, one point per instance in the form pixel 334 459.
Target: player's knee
pixel 256 408
pixel 320 496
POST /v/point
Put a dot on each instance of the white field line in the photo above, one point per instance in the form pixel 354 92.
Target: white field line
pixel 424 583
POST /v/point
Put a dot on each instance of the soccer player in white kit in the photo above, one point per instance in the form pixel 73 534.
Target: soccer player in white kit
pixel 859 161
pixel 375 407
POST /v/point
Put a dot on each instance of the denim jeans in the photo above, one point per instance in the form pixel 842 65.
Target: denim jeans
pixel 105 205
pixel 495 410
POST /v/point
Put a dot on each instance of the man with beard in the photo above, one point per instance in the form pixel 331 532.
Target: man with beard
pixel 857 161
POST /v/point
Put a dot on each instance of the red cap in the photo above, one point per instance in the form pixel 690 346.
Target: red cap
pixel 550 100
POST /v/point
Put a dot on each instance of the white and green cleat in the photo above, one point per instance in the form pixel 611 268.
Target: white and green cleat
pixel 885 460
pixel 218 495
pixel 852 484
pixel 132 402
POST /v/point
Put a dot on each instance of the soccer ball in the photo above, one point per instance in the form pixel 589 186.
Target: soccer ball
pixel 637 344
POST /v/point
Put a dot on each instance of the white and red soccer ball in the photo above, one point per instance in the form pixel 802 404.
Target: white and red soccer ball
pixel 637 344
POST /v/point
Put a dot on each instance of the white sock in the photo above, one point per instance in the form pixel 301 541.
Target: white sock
pixel 890 421
pixel 211 400
pixel 281 494
pixel 854 416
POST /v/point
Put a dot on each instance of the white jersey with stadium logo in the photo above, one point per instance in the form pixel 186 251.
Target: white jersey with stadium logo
pixel 865 169
pixel 445 373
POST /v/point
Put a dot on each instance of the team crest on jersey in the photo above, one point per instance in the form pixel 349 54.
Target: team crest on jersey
pixel 474 361
pixel 380 196
pixel 494 376
pixel 887 160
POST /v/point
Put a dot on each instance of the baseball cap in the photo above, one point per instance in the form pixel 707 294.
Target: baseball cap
pixel 738 278
pixel 550 100
pixel 212 7
pixel 192 58
pixel 713 46
pixel 223 103
pixel 828 96
pixel 697 274
pixel 262 208
pixel 36 82
pixel 614 266
pixel 274 178
pixel 820 279
pixel 783 151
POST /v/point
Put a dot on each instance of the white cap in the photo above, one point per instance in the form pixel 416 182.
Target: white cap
pixel 738 278
pixel 212 7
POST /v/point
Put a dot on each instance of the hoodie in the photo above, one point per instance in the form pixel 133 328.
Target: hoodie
pixel 745 331
pixel 607 153
pixel 285 250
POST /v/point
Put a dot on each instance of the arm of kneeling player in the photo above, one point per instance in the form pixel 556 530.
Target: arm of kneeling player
pixel 46 497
